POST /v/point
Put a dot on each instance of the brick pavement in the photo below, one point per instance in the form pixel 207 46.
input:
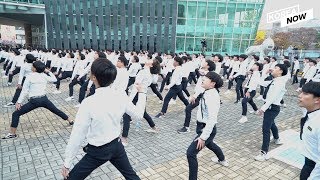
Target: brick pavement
pixel 39 150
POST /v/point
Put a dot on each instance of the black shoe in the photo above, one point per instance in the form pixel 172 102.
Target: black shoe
pixel 160 115
pixel 236 102
pixel 183 130
pixel 10 136
pixel 71 123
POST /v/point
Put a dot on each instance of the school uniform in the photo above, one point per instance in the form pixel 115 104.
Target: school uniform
pixel 78 70
pixel 240 77
pixel 296 69
pixel 251 86
pixel 154 86
pixel 26 69
pixel 168 64
pixel 66 71
pixel 133 70
pixel 102 128
pixel 235 68
pixel 16 66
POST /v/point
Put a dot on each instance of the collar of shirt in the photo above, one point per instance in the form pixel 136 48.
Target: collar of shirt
pixel 314 114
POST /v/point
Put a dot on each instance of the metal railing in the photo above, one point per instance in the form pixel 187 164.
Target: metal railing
pixel 300 53
pixel 25 1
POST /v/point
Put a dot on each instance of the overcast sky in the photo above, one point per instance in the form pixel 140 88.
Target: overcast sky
pixel 273 5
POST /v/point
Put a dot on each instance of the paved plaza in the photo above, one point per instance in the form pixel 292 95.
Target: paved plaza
pixel 38 152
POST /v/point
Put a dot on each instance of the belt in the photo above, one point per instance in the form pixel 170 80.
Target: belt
pixel 35 97
pixel 113 141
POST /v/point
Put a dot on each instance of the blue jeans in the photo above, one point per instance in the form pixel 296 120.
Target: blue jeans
pixel 268 123
pixel 96 156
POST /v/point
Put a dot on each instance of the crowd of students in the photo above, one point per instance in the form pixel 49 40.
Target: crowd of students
pixel 114 87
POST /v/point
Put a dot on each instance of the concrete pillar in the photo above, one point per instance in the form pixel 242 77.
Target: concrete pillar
pixel 28 34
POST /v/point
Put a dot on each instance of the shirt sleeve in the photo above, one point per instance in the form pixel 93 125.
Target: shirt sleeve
pixel 137 111
pixel 212 106
pixel 78 133
pixel 25 90
pixel 272 95
pixel 51 77
pixel 174 78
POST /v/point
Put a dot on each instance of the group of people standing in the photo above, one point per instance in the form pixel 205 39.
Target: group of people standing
pixel 114 87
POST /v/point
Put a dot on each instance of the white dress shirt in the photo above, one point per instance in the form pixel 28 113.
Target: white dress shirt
pixel 209 105
pixel 242 69
pixel 35 85
pixel 185 70
pixel 309 74
pixel 218 67
pixel 235 67
pixel 318 66
pixel 227 62
pixel 17 62
pixel 96 124
pixel 87 68
pixel 296 65
pixel 145 78
pixel 169 65
pixel 198 88
pixel 67 65
pixel 276 91
pixel 254 81
pixel 122 79
pixel 176 77
pixel 25 70
pixel 133 70
pixel 305 68
pixel 311 142
pixel 316 78
pixel 79 68
pixel 265 71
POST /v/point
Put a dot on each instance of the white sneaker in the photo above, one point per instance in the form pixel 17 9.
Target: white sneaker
pixel 77 106
pixel 243 119
pixel 160 102
pixel 9 84
pixel 152 130
pixel 278 141
pixel 223 163
pixel 172 102
pixel 284 105
pixel 56 92
pixel 10 104
pixel 227 92
pixel 259 97
pixel 262 156
pixel 69 98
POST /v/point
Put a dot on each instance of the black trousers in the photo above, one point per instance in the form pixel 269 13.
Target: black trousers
pixel 307 168
pixel 2 60
pixel 127 119
pixel 174 91
pixel 230 83
pixel 192 77
pixel 246 100
pixel 8 66
pixel 17 92
pixel 166 80
pixel 75 82
pixel 131 81
pixel 197 73
pixel 262 90
pixel 83 89
pixel 295 77
pixel 302 82
pixel 239 90
pixel 5 64
pixel 225 71
pixel 64 75
pixel 193 151
pixel 155 91
pixel 14 72
pixel 96 156
pixel 48 64
pixel 33 104
pixel 184 85
pixel 188 111
pixel 269 124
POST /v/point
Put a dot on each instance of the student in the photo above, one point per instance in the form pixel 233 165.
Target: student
pixel 274 93
pixel 250 91
pixel 185 74
pixel 296 69
pixel 17 62
pixel 264 74
pixel 121 81
pixel 234 68
pixel 207 116
pixel 240 76
pixel 194 100
pixel 66 71
pixel 154 84
pixel 310 131
pixel 309 73
pixel 174 87
pixel 26 69
pixel 169 67
pixel 102 128
pixel 133 69
pixel 34 85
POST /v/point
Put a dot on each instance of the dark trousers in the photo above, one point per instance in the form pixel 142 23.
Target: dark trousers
pixel 8 66
pixel 295 77
pixel 240 79
pixel 54 70
pixel 131 81
pixel 192 77
pixel 2 60
pixel 166 80
pixel 261 90
pixel 174 91
pixel 269 124
pixel 193 151
pixel 17 92
pixel 307 168
pixel 48 64
pixel 184 85
pixel 5 65
pixel 230 83
pixel 188 111
pixel 83 89
pixel 246 100
pixel 75 82
pixel 225 71
pixel 302 82
pixel 127 119
pixel 197 73
pixel 96 156
pixel 64 75
pixel 14 72
pixel 155 90
pixel 33 104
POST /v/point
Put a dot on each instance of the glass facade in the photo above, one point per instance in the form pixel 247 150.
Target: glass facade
pixel 25 1
pixel 229 26
pixel 116 24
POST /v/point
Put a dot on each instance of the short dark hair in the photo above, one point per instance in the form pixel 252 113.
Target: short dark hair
pixel 184 58
pixel 179 60
pixel 149 56
pixel 16 52
pixel 136 58
pixel 212 65
pixel 286 57
pixel 274 58
pixel 267 59
pixel 159 59
pixel 243 56
pixel 259 65
pixel 39 66
pixel 220 57
pixel 30 58
pixel 296 57
pixel 287 63
pixel 283 68
pixel 256 57
pixel 236 56
pixel 155 69
pixel 313 61
pixel 123 60
pixel 104 71
pixel 101 55
pixel 82 56
pixel 312 88
pixel 214 77
pixel 71 55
